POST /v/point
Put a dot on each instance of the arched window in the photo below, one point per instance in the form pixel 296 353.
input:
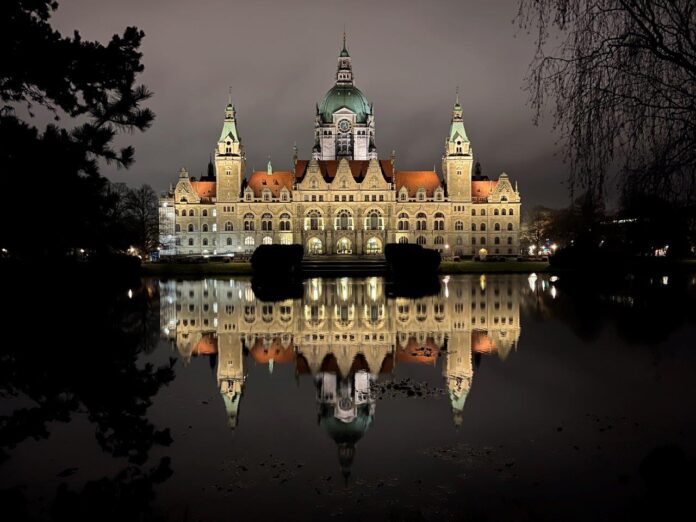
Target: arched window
pixel 403 240
pixel 459 225
pixel 473 211
pixel 249 241
pixel 509 240
pixel 192 212
pixel 483 211
pixel 205 241
pixel 190 227
pixel 496 212
pixel 439 221
pixel 483 240
pixel 483 227
pixel 439 240
pixel 496 227
pixel 205 227
pixel 503 212
pixel 228 226
pixel 267 222
pixel 473 240
pixel 512 212
pixel 420 221
pixel 204 212
pixel 229 241
pixel 177 227
pixel 403 221
pixel 190 241
pixel 344 220
pixel 314 221
pixel 503 198
pixel 268 240
pixel 285 221
pixel 249 222
pixel 421 240
pixel 473 227
pixel 509 227
pixel 374 221
pixel 496 240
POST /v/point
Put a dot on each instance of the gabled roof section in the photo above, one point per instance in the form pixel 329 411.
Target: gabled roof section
pixel 415 179
pixel 206 190
pixel 482 189
pixel 260 180
pixel 358 168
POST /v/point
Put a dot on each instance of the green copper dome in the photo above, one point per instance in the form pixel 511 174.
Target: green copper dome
pixel 348 96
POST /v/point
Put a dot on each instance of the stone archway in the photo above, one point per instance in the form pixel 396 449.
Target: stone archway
pixel 344 246
pixel 374 246
pixel 315 247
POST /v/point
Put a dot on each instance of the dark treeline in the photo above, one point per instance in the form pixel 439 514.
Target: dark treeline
pixel 61 202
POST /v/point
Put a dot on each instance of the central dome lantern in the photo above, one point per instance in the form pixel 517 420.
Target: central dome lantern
pixel 344 125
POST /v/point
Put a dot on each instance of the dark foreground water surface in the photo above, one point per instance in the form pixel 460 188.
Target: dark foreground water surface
pixel 499 397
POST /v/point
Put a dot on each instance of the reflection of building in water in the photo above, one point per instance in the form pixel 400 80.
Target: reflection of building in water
pixel 345 333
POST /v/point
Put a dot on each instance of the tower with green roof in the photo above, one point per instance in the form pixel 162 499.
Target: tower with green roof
pixel 458 159
pixel 229 159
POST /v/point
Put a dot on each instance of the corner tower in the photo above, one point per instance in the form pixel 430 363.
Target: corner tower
pixel 229 159
pixel 458 159
pixel 344 124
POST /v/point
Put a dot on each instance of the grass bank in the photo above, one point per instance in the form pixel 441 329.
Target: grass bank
pixel 487 267
pixel 195 269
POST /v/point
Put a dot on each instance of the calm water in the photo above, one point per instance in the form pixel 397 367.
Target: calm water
pixel 500 397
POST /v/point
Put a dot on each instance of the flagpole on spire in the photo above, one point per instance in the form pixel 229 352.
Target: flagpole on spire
pixel 229 95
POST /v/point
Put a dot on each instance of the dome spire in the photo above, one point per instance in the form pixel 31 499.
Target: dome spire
pixel 344 75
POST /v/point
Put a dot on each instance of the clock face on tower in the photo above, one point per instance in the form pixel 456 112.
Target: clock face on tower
pixel 344 125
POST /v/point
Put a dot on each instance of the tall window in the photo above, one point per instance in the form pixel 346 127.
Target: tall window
pixel 421 240
pixel 249 241
pixel 403 240
pixel 459 225
pixel 205 227
pixel 267 222
pixel 228 226
pixel 344 220
pixel 190 227
pixel 473 227
pixel 439 221
pixel 403 221
pixel 439 240
pixel 249 222
pixel 420 221
pixel 483 227
pixel 268 240
pixel 229 241
pixel 285 222
pixel 314 221
pixel 496 227
pixel 204 212
pixel 373 221
pixel 509 227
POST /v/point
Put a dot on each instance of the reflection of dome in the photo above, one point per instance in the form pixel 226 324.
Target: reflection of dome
pixel 274 351
pixel 344 96
pixel 206 346
pixel 346 434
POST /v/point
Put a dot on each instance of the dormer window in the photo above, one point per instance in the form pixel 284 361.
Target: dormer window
pixel 439 195
pixel 420 195
pixel 248 195
pixel 266 195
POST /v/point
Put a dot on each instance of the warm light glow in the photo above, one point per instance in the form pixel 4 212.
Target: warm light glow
pixel 130 294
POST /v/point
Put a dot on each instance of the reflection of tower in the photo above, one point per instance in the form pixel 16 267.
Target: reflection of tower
pixel 230 374
pixel 346 411
pixel 458 372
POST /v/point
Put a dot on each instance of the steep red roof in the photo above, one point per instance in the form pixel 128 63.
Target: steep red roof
pixel 276 351
pixel 481 342
pixel 206 346
pixel 358 168
pixel 204 189
pixel 415 179
pixel 276 181
pixel 482 189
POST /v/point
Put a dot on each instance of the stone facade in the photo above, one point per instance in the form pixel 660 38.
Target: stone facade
pixel 344 200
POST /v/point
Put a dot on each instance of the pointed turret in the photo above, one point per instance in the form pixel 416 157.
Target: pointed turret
pixel 344 75
pixel 269 167
pixel 457 141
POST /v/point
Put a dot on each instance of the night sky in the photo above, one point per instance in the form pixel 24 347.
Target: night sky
pixel 279 58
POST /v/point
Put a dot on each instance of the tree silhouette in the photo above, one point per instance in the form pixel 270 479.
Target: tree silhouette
pixel 91 88
pixel 622 86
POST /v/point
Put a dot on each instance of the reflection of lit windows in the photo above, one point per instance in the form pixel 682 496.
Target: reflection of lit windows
pixel 267 313
pixel 421 312
pixel 249 313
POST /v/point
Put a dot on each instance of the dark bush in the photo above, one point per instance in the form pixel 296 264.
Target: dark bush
pixel 409 259
pixel 277 261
